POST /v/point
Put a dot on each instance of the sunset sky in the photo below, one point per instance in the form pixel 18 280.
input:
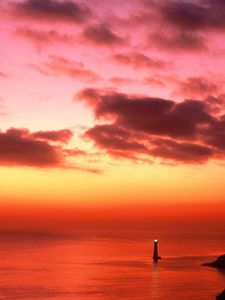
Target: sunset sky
pixel 111 110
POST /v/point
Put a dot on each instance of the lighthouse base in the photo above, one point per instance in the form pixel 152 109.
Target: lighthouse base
pixel 157 258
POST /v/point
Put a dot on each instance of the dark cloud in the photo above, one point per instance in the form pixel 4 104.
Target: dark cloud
pixel 191 131
pixel 42 38
pixel 122 143
pixel 193 16
pixel 117 141
pixel 18 147
pixel 61 66
pixel 171 40
pixel 150 115
pixel 181 151
pixel 42 149
pixel 63 135
pixel 139 60
pixel 101 35
pixel 215 135
pixel 215 105
pixel 182 25
pixel 51 10
pixel 184 14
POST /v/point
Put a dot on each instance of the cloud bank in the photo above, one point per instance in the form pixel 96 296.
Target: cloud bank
pixel 20 147
pixel 191 131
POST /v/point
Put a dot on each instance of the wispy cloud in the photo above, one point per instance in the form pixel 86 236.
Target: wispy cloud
pixel 140 60
pixel 102 35
pixel 61 66
pixel 43 38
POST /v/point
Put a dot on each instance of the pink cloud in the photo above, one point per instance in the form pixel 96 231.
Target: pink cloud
pixel 154 81
pixel 121 80
pixel 61 66
pixel 198 87
pixel 63 135
pixel 3 74
pixel 139 60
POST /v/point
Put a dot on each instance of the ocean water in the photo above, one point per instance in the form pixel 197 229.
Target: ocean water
pixel 110 266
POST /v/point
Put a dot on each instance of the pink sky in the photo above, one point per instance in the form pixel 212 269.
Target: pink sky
pixel 110 88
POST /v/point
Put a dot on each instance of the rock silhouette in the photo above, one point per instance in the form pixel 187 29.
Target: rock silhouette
pixel 219 263
pixel 221 296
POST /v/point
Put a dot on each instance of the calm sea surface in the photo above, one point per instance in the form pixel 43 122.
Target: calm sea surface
pixel 110 266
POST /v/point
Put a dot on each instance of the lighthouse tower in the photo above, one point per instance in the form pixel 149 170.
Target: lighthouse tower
pixel 155 251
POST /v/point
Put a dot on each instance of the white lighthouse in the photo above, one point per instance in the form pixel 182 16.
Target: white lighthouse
pixel 155 251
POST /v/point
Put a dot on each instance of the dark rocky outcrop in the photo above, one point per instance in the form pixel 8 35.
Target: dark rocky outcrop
pixel 221 296
pixel 219 263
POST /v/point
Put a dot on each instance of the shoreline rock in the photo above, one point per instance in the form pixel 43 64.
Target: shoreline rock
pixel 221 296
pixel 219 263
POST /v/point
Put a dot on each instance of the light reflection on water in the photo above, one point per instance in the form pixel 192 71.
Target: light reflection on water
pixel 109 268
